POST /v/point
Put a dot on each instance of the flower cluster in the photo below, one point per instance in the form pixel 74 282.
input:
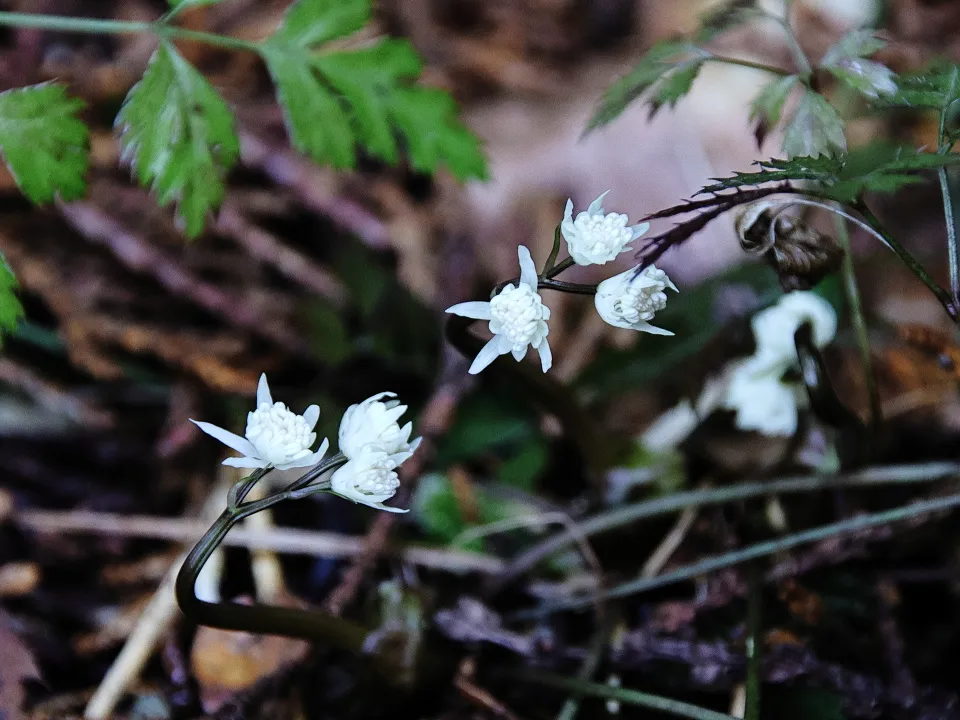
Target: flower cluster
pixel 755 389
pixel 517 314
pixel 371 440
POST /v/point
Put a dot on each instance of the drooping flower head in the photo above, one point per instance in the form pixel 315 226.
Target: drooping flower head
pixel 774 328
pixel 373 423
pixel 595 237
pixel 275 436
pixel 763 402
pixel 368 478
pixel 630 299
pixel 517 317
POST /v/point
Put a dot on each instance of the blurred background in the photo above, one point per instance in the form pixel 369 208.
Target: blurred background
pixel 334 284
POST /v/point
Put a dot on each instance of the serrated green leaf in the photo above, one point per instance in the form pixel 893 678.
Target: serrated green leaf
pixel 10 308
pixel 767 106
pixel 865 76
pixel 316 121
pixel 936 87
pixel 179 136
pixel 43 142
pixel 855 44
pixel 815 129
pixel 428 120
pixel 672 87
pixel 312 22
pixel 364 97
pixel 659 60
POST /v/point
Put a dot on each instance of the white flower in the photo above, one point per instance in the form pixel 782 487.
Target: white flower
pixel 373 423
pixel 275 436
pixel 629 300
pixel 762 402
pixel 518 319
pixel 368 478
pixel 595 238
pixel 774 328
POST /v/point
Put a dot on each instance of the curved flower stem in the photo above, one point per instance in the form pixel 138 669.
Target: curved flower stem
pixel 630 697
pixel 758 550
pixel 915 267
pixel 545 277
pixel 268 620
pixel 619 517
pixel 576 288
pixel 951 225
pixel 121 27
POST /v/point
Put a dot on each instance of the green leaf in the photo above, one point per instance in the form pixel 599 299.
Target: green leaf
pixel 10 308
pixel 936 87
pixel 312 22
pixel 662 58
pixel 316 121
pixel 767 106
pixel 815 129
pixel 867 77
pixel 366 97
pixel 44 144
pixel 675 85
pixel 522 469
pixel 855 44
pixel 879 167
pixel 180 137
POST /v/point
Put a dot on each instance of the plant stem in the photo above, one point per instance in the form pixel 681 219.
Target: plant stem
pixel 859 323
pixel 915 267
pixel 554 251
pixel 613 519
pixel 952 249
pixel 121 27
pixel 799 56
pixel 576 288
pixel 631 697
pixel 749 64
pixel 754 642
pixel 758 550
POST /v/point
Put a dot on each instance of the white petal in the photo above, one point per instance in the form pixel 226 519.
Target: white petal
pixel 240 444
pixel 639 229
pixel 487 355
pixel 568 212
pixel 308 460
pixel 263 391
pixel 528 271
pixel 311 415
pixel 596 207
pixel 518 355
pixel 245 462
pixel 475 309
pixel 504 345
pixel 646 327
pixel 546 356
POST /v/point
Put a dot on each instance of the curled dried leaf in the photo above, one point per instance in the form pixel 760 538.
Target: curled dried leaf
pixel 801 254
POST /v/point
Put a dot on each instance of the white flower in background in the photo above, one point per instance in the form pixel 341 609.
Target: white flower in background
pixel 369 478
pixel 275 436
pixel 595 237
pixel 518 319
pixel 630 299
pixel 755 390
pixel 763 402
pixel 774 328
pixel 373 423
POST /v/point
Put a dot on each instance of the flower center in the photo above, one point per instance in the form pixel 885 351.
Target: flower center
pixel 518 311
pixel 278 434
pixel 603 233
pixel 378 478
pixel 641 303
